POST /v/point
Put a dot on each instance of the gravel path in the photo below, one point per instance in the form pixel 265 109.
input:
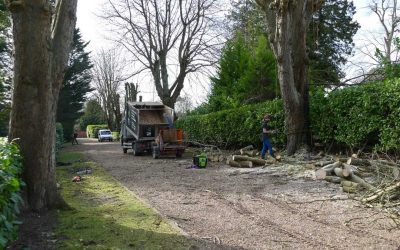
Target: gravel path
pixel 269 210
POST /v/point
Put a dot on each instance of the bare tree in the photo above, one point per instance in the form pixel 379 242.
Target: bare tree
pixel 108 75
pixel 287 23
pixel 170 39
pixel 386 11
pixel 42 42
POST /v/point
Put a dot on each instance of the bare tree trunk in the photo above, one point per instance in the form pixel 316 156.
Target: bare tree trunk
pixel 41 54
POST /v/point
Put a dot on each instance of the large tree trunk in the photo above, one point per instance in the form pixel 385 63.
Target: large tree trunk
pixel 287 24
pixel 41 54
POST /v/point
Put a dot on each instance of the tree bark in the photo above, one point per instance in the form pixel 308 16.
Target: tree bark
pixel 41 48
pixel 287 24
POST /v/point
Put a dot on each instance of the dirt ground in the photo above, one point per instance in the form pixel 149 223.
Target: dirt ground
pixel 270 208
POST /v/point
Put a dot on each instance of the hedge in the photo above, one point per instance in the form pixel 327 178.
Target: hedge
pixel 115 136
pixel 356 116
pixel 92 130
pixel 10 185
pixel 235 128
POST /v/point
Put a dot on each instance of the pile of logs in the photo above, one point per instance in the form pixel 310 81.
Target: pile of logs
pixel 347 172
pixel 247 158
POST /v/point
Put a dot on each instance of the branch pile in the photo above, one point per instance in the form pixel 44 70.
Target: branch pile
pixel 349 172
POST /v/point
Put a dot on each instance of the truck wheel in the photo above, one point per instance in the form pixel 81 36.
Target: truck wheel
pixel 125 150
pixel 156 152
pixel 135 150
pixel 178 154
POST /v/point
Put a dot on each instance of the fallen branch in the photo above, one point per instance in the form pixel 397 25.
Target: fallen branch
pixel 381 192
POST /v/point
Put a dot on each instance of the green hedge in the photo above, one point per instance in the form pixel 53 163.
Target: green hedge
pixel 10 185
pixel 235 128
pixel 357 116
pixel 92 130
pixel 361 115
pixel 115 136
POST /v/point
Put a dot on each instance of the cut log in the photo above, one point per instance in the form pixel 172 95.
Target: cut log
pixel 323 163
pixel 347 170
pixel 338 172
pixel 321 174
pixel 248 153
pixel 349 184
pixel 278 157
pixel 341 159
pixel 354 156
pixel 358 162
pixel 333 179
pixel 355 178
pixel 246 164
pixel 233 163
pixel 221 158
pixel 256 161
pixel 347 189
pixel 327 170
pixel 250 147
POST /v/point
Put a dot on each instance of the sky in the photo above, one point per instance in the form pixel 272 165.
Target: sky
pixel 92 29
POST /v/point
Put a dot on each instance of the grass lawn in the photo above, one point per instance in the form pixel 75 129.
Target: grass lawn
pixel 105 215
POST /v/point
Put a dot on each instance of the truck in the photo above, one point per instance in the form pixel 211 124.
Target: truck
pixel 142 128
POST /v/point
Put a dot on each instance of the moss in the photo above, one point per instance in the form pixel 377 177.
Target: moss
pixel 105 215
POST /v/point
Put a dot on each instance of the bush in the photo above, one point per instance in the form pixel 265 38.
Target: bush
pixel 10 185
pixel 115 136
pixel 92 130
pixel 235 128
pixel 359 115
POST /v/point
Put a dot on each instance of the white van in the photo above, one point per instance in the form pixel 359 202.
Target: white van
pixel 104 135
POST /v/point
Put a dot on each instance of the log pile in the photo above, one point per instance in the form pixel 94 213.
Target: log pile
pixel 349 172
pixel 247 157
pixel 344 173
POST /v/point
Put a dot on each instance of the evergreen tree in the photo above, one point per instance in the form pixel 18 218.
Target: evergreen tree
pixel 330 40
pixel 93 114
pixel 246 74
pixel 76 85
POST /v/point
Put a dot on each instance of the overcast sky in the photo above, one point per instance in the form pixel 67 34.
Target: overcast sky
pixel 92 28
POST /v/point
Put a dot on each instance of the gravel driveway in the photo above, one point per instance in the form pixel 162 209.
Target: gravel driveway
pixel 268 209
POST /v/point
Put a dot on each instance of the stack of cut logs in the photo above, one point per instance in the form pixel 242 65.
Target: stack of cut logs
pixel 246 158
pixel 345 172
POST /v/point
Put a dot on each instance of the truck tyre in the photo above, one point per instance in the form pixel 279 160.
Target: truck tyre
pixel 156 152
pixel 135 150
pixel 125 150
pixel 178 154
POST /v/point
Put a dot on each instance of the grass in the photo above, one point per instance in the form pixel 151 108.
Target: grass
pixel 105 215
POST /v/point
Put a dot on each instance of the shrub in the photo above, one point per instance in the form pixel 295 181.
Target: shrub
pixel 115 136
pixel 235 128
pixel 92 130
pixel 10 185
pixel 357 116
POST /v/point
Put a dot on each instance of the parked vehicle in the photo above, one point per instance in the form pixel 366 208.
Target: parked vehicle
pixel 104 135
pixel 142 123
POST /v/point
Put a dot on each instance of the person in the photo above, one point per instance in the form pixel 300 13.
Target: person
pixel 74 136
pixel 265 139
